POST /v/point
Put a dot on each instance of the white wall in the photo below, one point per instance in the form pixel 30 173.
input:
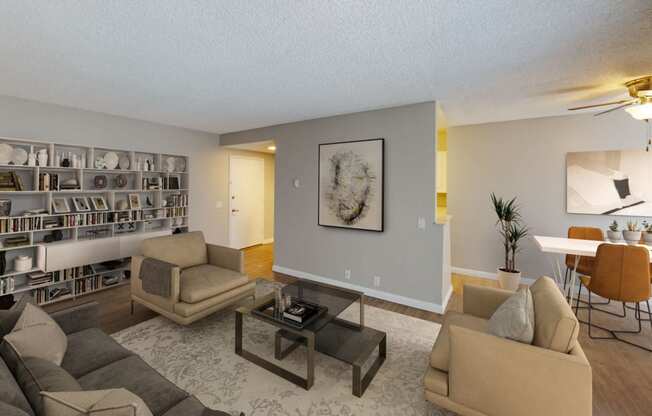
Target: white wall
pixel 526 159
pixel 32 120
pixel 407 259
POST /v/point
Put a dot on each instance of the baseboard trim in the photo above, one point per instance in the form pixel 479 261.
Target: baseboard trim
pixel 268 241
pixel 402 300
pixel 485 275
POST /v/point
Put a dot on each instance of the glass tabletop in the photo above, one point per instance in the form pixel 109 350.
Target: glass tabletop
pixel 335 299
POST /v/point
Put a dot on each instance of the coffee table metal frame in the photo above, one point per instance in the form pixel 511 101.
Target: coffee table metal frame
pixel 368 337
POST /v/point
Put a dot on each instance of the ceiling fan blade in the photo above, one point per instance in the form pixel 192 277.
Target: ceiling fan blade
pixel 628 101
pixel 614 109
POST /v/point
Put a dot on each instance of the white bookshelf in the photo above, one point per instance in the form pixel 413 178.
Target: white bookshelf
pixel 87 237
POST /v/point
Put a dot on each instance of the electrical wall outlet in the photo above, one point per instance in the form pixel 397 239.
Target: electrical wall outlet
pixel 376 281
pixel 347 274
pixel 421 223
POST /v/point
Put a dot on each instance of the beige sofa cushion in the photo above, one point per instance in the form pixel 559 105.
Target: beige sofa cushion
pixel 436 381
pixel 221 301
pixel 184 250
pixel 205 281
pixel 440 351
pixel 555 325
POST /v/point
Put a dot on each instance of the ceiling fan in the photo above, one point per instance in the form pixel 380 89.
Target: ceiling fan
pixel 638 106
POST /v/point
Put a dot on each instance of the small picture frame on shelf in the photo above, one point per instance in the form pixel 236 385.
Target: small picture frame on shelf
pixel 81 204
pixel 60 206
pixel 134 201
pixel 174 182
pixel 5 207
pixel 99 203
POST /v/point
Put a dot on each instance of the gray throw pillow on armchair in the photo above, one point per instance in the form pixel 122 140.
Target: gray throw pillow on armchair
pixel 514 319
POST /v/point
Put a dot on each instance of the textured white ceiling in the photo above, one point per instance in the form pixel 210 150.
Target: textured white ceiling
pixel 229 65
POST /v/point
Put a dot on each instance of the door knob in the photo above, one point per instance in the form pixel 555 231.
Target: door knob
pixel 235 210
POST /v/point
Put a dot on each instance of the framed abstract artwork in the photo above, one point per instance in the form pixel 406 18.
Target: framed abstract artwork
pixel 351 185
pixel 613 182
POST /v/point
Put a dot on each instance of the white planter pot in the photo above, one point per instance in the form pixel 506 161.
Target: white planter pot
pixel 632 237
pixel 614 236
pixel 509 280
pixel 647 237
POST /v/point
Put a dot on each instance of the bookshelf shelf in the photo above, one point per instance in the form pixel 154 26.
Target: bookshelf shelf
pixel 58 240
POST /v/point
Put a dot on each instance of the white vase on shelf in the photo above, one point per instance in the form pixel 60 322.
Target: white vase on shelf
pixel 42 157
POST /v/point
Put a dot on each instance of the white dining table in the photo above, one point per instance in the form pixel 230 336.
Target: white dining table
pixel 558 246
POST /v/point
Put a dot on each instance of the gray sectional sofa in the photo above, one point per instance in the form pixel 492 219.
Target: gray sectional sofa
pixel 93 361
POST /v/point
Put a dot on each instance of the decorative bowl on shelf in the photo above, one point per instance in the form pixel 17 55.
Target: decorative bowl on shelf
pixel 19 157
pixel 6 153
pixel 111 159
pixel 123 162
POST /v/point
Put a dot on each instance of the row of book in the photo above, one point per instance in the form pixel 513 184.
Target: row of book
pixel 13 225
pixel 38 278
pixel 176 212
pixel 180 200
pixel 92 218
pixel 10 181
pixel 47 294
pixel 87 284
pixel 71 273
pixel 48 182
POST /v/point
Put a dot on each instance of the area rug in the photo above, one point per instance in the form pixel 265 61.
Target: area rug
pixel 200 358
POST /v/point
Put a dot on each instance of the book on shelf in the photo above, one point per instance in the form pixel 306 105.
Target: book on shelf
pixel 17 241
pixel 19 224
pixel 48 182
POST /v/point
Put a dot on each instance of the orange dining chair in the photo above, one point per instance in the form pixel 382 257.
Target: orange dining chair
pixel 620 273
pixel 585 266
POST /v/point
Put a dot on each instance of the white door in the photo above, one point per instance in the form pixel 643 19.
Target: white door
pixel 246 201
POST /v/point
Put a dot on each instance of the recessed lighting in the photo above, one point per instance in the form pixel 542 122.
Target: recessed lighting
pixel 271 148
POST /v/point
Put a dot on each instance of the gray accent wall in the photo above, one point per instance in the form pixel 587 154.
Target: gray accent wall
pixel 407 259
pixel 208 179
pixel 526 159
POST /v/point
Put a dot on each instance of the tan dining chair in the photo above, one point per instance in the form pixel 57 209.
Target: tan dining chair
pixel 620 273
pixel 585 266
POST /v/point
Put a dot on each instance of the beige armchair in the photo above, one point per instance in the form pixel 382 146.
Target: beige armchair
pixel 208 277
pixel 476 374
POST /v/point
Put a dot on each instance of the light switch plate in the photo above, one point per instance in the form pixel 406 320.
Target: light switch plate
pixel 219 204
pixel 421 223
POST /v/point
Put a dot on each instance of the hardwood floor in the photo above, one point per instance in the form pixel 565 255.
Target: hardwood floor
pixel 622 374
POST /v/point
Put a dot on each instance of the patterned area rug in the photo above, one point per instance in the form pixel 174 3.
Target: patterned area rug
pixel 200 358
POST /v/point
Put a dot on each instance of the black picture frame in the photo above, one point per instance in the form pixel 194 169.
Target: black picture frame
pixel 381 189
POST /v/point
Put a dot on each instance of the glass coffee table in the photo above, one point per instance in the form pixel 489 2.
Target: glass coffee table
pixel 350 342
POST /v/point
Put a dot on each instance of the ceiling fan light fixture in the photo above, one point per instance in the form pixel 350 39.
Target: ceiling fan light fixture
pixel 641 111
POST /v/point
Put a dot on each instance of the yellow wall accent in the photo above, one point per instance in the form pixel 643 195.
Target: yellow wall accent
pixel 442 140
pixel 441 199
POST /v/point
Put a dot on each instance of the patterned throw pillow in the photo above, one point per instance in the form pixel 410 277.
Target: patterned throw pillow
pixel 33 327
pixel 514 319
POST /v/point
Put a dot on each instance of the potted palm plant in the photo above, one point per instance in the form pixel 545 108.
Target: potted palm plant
pixel 632 234
pixel 613 233
pixel 511 232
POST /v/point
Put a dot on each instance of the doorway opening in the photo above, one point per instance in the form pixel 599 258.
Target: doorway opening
pixel 251 204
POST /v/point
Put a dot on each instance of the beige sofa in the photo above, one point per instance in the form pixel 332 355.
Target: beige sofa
pixel 473 373
pixel 208 277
